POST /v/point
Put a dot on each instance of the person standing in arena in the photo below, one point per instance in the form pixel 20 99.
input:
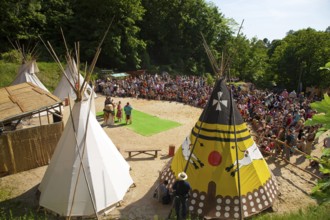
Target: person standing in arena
pixel 128 112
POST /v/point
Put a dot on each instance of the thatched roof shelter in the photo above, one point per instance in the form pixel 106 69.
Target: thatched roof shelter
pixel 24 100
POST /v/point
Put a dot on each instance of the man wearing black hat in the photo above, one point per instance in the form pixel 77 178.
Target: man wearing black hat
pixel 181 189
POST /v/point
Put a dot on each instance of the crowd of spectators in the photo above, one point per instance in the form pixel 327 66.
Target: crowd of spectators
pixel 191 90
pixel 278 117
pixel 272 115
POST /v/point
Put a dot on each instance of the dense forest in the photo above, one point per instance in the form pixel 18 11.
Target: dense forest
pixel 164 36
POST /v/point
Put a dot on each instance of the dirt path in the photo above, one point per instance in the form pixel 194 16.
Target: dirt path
pixel 294 184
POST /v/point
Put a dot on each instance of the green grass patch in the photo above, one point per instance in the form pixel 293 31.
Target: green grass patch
pixel 8 72
pixel 99 114
pixel 145 124
pixel 50 73
pixel 320 212
pixel 148 125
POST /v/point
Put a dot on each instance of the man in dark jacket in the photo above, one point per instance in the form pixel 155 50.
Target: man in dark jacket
pixel 181 189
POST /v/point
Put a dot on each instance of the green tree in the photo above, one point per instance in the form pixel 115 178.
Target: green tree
pixel 172 30
pixel 236 56
pixel 257 63
pixel 322 190
pixel 20 20
pixel 58 15
pixel 122 46
pixel 295 60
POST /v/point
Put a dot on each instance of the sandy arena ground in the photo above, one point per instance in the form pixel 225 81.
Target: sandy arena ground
pixel 294 184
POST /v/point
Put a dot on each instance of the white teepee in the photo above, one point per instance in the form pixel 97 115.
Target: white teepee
pixel 27 73
pixel 87 174
pixel 63 89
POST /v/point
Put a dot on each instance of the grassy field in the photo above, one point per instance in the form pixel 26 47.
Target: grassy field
pixel 8 72
pixel 321 212
pixel 148 125
pixel 145 124
pixel 49 74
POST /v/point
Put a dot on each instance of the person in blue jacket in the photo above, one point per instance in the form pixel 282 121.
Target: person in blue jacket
pixel 128 113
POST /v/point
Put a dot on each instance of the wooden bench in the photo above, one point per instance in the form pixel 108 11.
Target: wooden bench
pixel 152 152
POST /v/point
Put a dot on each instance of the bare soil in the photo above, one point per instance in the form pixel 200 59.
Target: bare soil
pixel 294 184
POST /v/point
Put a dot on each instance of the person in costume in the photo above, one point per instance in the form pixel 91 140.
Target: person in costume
pixel 181 189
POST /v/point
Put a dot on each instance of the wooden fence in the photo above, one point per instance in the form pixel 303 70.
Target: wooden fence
pixel 29 148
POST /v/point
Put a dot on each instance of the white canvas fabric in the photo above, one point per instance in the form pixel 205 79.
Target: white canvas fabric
pixel 27 73
pixel 64 90
pixel 105 178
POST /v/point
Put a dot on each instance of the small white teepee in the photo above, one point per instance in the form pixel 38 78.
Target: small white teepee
pixel 27 73
pixel 63 89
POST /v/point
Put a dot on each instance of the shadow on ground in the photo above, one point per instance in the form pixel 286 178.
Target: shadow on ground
pixel 146 208
pixel 24 206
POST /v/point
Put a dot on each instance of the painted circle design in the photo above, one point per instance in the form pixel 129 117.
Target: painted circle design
pixel 215 158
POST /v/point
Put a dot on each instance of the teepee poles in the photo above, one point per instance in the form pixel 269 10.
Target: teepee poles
pixel 237 160
pixel 56 59
pixel 96 56
pixel 227 62
pixel 235 137
pixel 81 166
pixel 212 59
pixel 219 71
pixel 196 139
pixel 78 90
pixel 24 53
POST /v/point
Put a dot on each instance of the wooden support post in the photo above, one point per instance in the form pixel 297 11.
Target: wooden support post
pixel 11 154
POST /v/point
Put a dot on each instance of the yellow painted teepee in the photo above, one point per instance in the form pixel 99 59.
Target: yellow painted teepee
pixel 225 184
